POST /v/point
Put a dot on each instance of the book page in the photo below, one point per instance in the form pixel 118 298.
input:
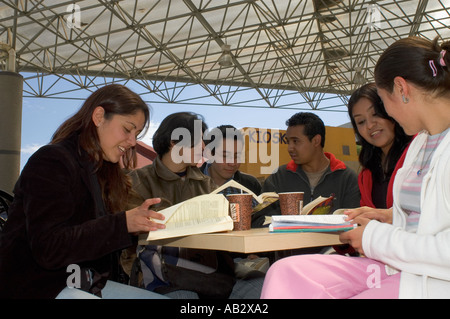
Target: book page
pixel 167 212
pixel 208 225
pixel 265 201
pixel 310 223
pixel 340 211
pixel 201 214
pixel 321 204
pixel 266 198
pixel 309 219
pixel 199 207
pixel 234 184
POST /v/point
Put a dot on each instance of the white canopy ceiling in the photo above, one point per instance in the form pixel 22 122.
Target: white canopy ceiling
pixel 286 53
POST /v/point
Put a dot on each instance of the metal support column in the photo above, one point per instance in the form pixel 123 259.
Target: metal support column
pixel 11 90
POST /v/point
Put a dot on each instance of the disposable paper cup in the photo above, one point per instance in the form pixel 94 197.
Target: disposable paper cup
pixel 241 210
pixel 291 203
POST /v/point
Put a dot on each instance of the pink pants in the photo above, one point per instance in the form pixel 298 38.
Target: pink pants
pixel 329 276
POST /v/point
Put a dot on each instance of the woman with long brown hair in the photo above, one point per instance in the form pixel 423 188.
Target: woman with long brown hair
pixel 68 222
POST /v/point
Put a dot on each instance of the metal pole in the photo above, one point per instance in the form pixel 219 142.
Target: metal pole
pixel 11 90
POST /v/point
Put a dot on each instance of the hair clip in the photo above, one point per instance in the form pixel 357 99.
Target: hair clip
pixel 433 68
pixel 441 57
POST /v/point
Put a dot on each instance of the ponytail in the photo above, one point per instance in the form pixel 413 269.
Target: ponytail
pixel 422 62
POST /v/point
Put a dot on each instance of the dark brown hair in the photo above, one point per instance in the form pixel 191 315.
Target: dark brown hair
pixel 116 100
pixel 224 132
pixel 370 155
pixel 410 59
pixel 312 125
pixel 163 138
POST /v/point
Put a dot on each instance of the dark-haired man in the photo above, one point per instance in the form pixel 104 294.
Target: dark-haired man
pixel 311 170
pixel 223 148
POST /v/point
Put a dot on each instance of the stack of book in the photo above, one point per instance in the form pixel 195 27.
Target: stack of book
pixel 309 223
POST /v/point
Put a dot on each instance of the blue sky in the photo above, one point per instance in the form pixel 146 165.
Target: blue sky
pixel 41 117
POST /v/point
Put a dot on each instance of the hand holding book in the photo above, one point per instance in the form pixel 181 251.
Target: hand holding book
pixel 201 214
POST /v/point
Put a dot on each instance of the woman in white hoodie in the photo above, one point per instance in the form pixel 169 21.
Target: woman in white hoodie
pixel 409 258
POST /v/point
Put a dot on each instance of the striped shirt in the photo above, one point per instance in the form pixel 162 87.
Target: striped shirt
pixel 410 189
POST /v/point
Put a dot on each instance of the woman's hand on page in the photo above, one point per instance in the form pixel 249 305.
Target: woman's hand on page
pixel 140 219
pixel 382 215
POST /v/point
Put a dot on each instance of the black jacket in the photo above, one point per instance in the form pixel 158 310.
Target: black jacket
pixel 244 179
pixel 57 219
pixel 248 181
pixel 337 179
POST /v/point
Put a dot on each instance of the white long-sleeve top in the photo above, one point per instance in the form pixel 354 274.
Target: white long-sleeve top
pixel 422 257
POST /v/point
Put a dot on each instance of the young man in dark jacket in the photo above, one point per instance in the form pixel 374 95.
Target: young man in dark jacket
pixel 223 148
pixel 311 170
pixel 184 272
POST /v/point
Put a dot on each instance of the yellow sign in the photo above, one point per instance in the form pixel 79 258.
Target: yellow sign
pixel 266 149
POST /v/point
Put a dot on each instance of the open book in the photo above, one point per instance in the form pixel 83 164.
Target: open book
pixel 264 199
pixel 201 214
pixel 309 223
pixel 319 206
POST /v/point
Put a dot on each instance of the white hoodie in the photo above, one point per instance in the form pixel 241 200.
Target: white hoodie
pixel 422 257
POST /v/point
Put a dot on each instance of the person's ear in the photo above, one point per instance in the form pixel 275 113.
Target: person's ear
pixel 98 116
pixel 401 87
pixel 316 140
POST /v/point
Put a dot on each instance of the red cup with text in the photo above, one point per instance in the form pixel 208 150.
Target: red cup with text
pixel 241 210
